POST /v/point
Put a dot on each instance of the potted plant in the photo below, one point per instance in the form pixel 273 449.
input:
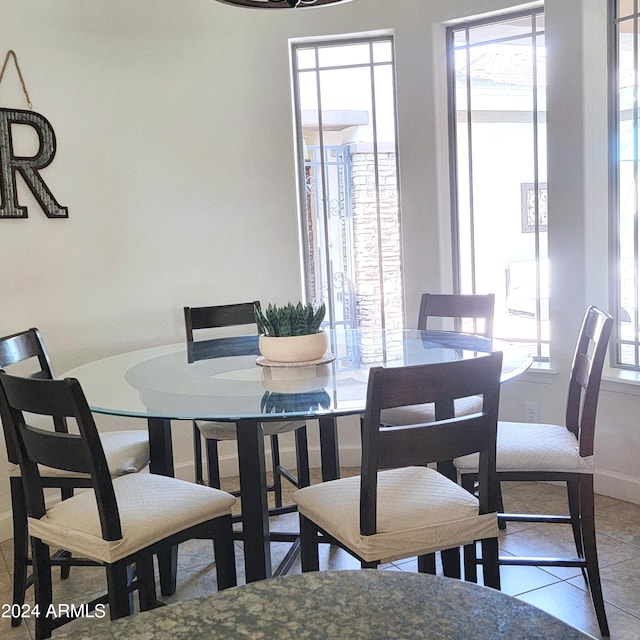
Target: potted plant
pixel 291 333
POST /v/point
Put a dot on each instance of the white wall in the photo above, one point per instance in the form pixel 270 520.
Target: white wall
pixel 175 159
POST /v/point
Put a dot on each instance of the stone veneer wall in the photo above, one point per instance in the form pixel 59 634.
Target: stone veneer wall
pixel 371 286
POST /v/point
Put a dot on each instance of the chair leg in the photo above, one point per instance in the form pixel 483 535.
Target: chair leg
pixel 469 481
pixel 43 588
pixel 502 524
pixel 427 563
pixel 275 465
pixel 213 463
pixel 167 568
pixel 118 586
pixel 197 454
pixel 573 497
pixel 224 551
pixel 20 547
pixel 65 569
pixel 451 562
pixel 309 545
pixel 470 564
pixel 587 517
pixel 302 457
pixel 146 583
pixel 490 565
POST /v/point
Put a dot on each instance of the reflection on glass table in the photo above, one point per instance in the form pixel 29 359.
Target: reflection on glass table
pixel 221 381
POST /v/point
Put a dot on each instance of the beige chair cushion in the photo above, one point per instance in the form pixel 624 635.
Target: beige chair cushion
pixel 125 451
pixel 419 511
pixel 522 446
pixel 227 430
pixel 152 507
pixel 419 413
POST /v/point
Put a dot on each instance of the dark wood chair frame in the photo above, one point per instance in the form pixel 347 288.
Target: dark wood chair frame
pixel 458 306
pixel 580 419
pixel 61 399
pixel 230 315
pixel 420 444
pixel 14 349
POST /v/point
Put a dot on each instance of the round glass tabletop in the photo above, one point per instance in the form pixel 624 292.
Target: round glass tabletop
pixel 221 379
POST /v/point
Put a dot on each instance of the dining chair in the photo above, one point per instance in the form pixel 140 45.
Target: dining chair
pixel 529 452
pixel 235 315
pixel 125 452
pixel 458 307
pixel 122 522
pixel 399 507
pixel 476 307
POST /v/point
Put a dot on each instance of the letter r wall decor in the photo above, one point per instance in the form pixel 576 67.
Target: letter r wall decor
pixel 28 166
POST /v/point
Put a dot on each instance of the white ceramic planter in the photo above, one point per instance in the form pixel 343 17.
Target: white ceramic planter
pixel 294 348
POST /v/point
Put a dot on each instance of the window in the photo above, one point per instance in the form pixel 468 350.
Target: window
pixel 344 95
pixel 625 183
pixel 497 111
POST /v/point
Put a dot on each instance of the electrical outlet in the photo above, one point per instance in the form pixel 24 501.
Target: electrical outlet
pixel 530 411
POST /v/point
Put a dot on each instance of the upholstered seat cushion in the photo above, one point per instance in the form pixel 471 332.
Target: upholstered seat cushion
pixel 227 430
pixel 419 413
pixel 522 446
pixel 125 451
pixel 419 511
pixel 152 507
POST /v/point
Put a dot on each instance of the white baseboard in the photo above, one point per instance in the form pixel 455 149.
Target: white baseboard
pixel 617 485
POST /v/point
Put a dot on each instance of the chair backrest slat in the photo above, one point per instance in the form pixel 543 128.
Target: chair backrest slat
pixel 451 382
pixel 50 448
pixel 217 317
pixel 57 450
pixel 459 306
pixel 586 376
pixel 227 315
pixel 69 452
pixel 419 444
pixel 24 347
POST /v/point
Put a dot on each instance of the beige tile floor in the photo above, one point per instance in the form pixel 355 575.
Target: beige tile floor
pixel 562 592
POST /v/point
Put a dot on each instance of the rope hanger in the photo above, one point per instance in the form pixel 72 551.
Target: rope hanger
pixel 12 53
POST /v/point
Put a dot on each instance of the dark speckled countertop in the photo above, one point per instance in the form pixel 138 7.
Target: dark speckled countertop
pixel 341 605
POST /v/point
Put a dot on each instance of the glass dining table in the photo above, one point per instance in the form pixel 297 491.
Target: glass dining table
pixel 222 380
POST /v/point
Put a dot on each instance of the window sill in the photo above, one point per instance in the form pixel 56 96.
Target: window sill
pixel 540 373
pixel 621 381
pixel 614 380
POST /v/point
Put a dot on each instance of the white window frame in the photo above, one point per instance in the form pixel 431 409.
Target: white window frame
pixel 464 260
pixel 625 154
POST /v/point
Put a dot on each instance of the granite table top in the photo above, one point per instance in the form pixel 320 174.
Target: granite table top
pixel 344 605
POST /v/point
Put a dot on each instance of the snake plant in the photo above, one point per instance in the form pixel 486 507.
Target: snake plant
pixel 289 320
